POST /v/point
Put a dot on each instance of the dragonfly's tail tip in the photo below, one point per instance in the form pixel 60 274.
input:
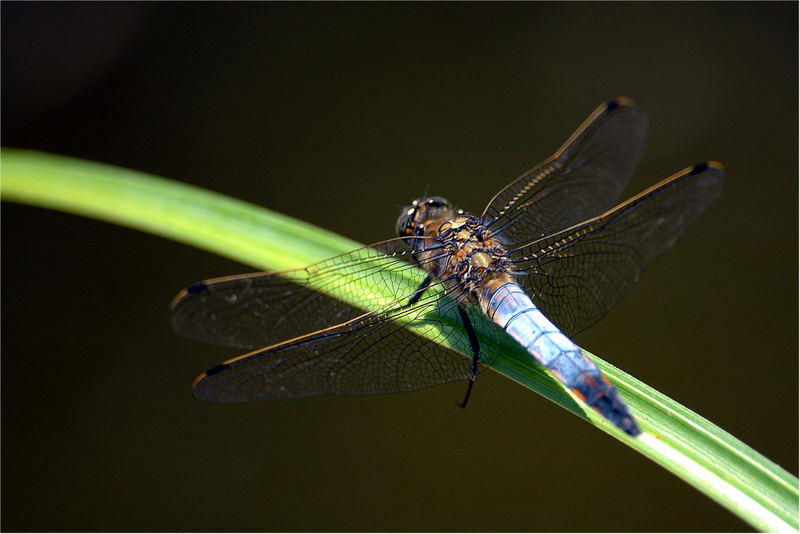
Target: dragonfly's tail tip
pixel 621 418
pixel 614 409
pixel 629 426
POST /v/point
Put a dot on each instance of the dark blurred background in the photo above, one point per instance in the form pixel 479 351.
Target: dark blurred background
pixel 338 114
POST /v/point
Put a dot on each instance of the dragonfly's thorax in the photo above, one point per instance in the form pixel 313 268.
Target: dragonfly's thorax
pixel 453 246
pixel 461 253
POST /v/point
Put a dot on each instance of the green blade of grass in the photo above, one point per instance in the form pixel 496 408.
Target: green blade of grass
pixel 728 471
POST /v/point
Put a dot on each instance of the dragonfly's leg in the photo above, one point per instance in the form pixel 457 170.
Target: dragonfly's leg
pixel 420 290
pixel 415 296
pixel 473 342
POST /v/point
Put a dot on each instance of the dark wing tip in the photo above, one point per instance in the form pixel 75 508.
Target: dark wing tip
pixel 198 392
pixel 197 287
pixel 217 369
pixel 620 101
pixel 214 370
pixel 718 170
pixel 713 165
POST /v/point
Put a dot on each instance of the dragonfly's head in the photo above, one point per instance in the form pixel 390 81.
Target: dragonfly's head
pixel 412 218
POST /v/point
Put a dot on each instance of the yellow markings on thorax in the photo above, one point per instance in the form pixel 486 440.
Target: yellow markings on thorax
pixel 480 260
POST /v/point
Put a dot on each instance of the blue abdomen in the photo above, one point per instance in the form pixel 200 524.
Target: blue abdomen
pixel 512 309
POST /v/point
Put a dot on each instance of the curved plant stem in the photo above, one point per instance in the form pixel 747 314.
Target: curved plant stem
pixel 705 456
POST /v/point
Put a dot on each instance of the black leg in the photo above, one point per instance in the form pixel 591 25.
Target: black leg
pixel 473 341
pixel 415 296
pixel 420 290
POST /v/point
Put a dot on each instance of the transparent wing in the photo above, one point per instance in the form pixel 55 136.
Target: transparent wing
pixel 333 347
pixel 577 275
pixel 385 352
pixel 255 310
pixel 582 179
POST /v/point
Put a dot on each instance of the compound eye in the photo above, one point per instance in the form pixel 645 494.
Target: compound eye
pixel 405 223
pixel 437 202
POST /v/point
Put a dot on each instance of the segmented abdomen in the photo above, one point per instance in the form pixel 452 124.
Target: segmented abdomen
pixel 511 308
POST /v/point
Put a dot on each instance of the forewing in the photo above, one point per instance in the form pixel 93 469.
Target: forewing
pixel 255 310
pixel 582 179
pixel 577 275
pixel 389 351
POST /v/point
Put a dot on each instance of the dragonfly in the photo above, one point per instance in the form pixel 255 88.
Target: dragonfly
pixel 548 257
